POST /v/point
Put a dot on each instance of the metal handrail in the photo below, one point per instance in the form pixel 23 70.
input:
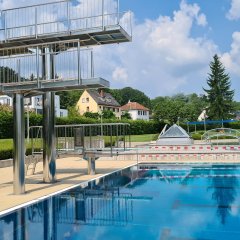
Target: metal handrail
pixel 30 56
pixel 61 21
pixel 228 132
pixel 102 11
pixel 35 5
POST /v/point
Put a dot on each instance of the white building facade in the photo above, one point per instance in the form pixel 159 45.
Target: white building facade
pixel 6 100
pixel 136 111
pixel 35 104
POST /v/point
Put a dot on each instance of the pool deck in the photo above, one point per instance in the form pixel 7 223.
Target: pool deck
pixel 71 171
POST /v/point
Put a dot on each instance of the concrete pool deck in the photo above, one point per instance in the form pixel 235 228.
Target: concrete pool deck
pixel 71 171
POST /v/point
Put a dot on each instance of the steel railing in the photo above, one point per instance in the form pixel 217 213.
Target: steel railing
pixel 61 17
pixel 25 64
pixel 221 132
pixel 110 136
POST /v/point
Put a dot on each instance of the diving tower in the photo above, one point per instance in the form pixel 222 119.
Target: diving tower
pixel 44 48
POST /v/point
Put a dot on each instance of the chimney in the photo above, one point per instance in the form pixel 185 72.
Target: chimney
pixel 101 92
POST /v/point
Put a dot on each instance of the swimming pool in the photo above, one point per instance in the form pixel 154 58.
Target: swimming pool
pixel 162 202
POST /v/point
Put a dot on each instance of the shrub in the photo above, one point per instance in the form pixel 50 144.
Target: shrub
pixel 196 136
pixel 8 153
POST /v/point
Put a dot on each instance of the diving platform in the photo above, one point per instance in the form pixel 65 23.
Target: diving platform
pixel 91 22
pixel 40 87
pixel 58 66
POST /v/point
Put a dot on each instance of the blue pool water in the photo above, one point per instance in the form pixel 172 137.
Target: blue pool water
pixel 161 202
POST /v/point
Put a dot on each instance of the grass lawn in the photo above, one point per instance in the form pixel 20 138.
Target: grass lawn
pixel 144 138
pixel 6 144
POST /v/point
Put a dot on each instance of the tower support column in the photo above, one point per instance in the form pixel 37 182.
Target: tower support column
pixel 49 138
pixel 49 135
pixel 19 144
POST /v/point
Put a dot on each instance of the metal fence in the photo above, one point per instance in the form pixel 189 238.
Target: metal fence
pixel 60 18
pixel 81 137
pixel 221 132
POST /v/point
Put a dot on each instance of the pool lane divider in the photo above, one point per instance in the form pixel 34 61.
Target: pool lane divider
pixel 39 199
pixel 194 176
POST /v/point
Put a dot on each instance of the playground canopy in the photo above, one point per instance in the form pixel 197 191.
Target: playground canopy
pixel 211 122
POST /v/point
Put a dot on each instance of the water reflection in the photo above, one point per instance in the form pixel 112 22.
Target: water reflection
pixel 224 192
pixel 224 188
pixel 100 203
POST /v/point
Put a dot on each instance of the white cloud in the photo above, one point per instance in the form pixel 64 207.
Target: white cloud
pixel 163 57
pixel 231 60
pixel 234 12
pixel 193 11
pixel 120 74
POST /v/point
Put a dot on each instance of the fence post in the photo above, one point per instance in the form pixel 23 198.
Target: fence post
pixel 79 64
pixel 36 23
pixel 103 14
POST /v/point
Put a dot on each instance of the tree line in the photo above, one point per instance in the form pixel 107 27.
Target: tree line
pixel 217 99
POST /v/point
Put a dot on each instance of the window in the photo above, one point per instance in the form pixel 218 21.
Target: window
pixel 139 112
pixel 38 101
pixel 87 99
pixel 83 100
pixel 87 109
pixel 117 109
pixel 61 114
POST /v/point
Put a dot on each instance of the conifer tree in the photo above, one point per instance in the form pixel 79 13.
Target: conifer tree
pixel 219 94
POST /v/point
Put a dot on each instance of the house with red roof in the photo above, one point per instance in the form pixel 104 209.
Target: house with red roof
pixel 136 110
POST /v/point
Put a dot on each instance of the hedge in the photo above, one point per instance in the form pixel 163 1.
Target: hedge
pixel 138 127
pixel 8 153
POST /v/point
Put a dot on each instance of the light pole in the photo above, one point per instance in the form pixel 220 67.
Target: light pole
pixel 178 121
pixel 101 119
pixel 28 123
pixel 205 128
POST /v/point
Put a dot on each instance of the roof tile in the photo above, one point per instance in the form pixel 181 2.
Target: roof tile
pixel 133 106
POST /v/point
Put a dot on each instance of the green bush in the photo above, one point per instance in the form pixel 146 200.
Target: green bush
pixel 234 125
pixel 8 153
pixel 196 136
pixel 6 124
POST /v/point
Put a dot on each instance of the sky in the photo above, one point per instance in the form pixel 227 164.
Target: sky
pixel 173 44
